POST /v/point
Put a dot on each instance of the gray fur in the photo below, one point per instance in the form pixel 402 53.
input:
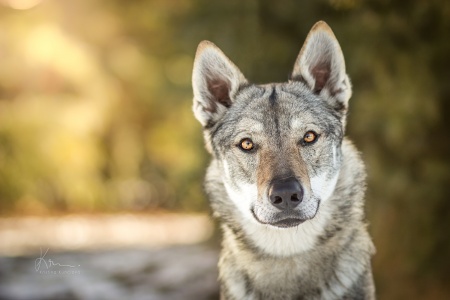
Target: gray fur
pixel 320 249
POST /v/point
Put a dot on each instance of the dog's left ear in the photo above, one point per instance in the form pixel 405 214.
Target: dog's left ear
pixel 215 81
pixel 321 66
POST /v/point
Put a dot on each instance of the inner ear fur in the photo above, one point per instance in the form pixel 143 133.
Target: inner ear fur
pixel 321 65
pixel 215 81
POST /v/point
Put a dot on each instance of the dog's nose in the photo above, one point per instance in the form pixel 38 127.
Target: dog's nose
pixel 285 193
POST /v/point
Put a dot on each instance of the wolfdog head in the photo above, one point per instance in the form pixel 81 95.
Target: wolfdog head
pixel 278 146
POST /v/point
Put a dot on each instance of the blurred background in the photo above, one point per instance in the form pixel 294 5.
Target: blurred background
pixel 96 130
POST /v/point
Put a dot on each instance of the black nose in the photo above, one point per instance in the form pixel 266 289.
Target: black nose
pixel 285 193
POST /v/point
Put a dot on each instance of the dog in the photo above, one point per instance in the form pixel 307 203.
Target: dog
pixel 284 182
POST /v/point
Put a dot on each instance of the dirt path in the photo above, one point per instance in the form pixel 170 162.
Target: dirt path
pixel 179 272
pixel 126 256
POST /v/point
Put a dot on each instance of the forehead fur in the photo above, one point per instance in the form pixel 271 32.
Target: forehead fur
pixel 276 109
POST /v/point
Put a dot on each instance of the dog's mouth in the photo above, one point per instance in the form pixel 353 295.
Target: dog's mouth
pixel 286 218
pixel 287 222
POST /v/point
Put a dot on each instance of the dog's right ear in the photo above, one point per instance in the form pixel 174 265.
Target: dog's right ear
pixel 215 81
pixel 321 66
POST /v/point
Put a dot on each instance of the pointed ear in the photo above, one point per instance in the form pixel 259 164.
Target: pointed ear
pixel 215 81
pixel 321 66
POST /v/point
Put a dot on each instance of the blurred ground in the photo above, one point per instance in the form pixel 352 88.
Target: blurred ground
pixel 27 235
pixel 177 272
pixel 68 257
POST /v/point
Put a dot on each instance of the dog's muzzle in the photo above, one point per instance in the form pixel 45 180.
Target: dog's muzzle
pixel 285 205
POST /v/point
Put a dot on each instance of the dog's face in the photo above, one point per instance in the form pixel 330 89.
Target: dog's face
pixel 279 145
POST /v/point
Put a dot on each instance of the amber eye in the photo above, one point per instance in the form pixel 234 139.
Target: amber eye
pixel 310 137
pixel 246 144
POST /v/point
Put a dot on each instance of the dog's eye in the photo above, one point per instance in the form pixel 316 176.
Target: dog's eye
pixel 246 144
pixel 310 137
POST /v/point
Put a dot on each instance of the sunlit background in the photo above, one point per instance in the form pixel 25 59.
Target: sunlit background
pixel 98 141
